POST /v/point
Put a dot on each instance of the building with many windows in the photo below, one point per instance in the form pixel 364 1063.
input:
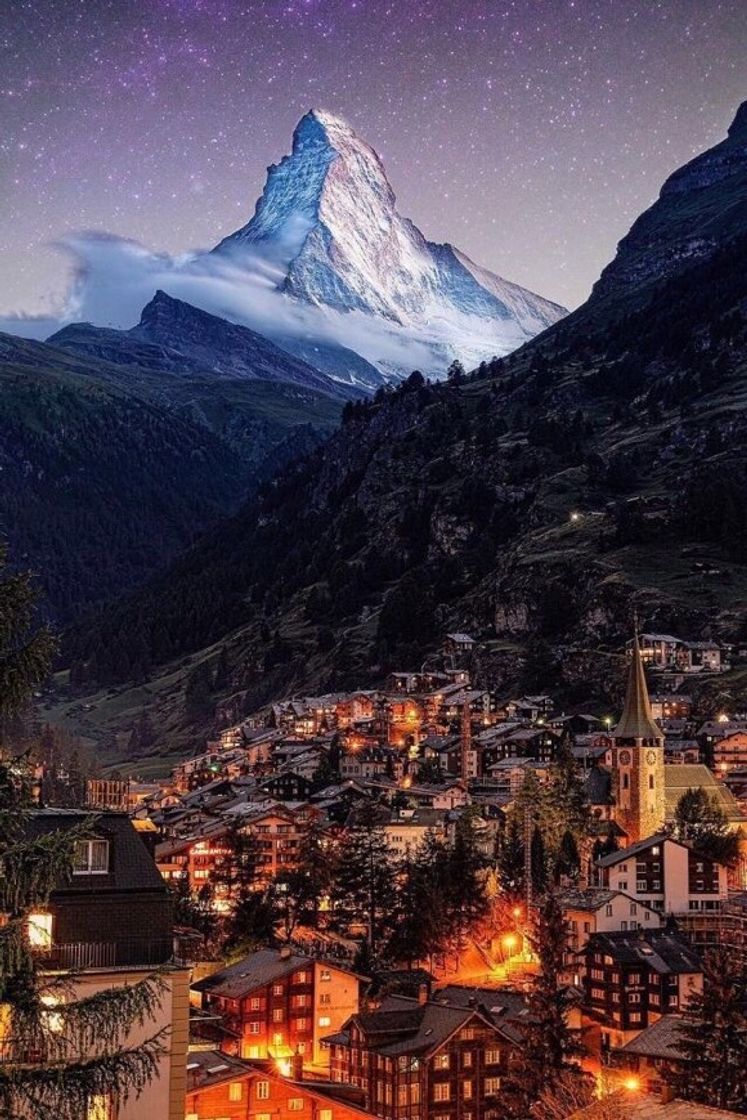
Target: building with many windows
pixel 278 1004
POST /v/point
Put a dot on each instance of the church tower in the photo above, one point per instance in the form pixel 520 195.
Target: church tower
pixel 638 760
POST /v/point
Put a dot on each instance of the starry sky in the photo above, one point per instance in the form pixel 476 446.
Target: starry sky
pixel 528 132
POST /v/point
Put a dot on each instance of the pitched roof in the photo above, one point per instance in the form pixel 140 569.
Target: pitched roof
pixel 679 779
pixel 255 971
pixel 632 851
pixel 662 950
pixel 636 721
pixel 661 1040
pixel 402 1026
pixel 131 866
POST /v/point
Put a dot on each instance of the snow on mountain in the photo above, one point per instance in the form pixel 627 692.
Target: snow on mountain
pixel 327 228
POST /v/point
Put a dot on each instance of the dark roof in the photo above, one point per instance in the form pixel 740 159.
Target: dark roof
pixel 206 1068
pixel 662 950
pixel 131 866
pixel 586 898
pixel 661 1040
pixel 633 850
pixel 506 1008
pixel 257 970
pixel 403 1026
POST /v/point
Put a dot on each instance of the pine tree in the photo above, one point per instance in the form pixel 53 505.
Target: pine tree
pixel 548 1043
pixel 363 891
pixel 422 927
pixel 713 1036
pixel 61 1054
pixel 465 900
pixel 511 858
pixel 699 819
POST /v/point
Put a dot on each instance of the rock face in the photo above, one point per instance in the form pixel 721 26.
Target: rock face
pixel 699 205
pixel 327 223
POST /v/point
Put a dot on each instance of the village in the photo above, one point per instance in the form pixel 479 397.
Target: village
pixel 355 894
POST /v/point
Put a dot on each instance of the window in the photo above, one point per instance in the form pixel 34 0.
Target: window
pixel 254 1003
pixel 235 1091
pixel 295 1104
pixel 263 1090
pixel 260 1116
pixel 325 1114
pixel 325 1021
pixel 278 1015
pixel 633 908
pixel 492 1057
pixel 441 1061
pixel 253 1052
pixel 277 989
pixel 467 1059
pixel 635 1016
pixel 641 885
pixel 608 911
pixel 467 1090
pixel 492 1086
pixel 623 885
pixel 442 1091
pixel 91 857
pixel 325 997
pixel 634 997
pixel 325 974
pixel 254 1028
pixel 39 931
pixel 302 1024
pixel 651 781
pixel 634 978
pixel 99 1108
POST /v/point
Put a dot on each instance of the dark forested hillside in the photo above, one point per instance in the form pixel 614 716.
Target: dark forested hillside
pixel 109 470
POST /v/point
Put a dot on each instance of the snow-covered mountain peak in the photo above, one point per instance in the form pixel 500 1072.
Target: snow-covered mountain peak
pixel 327 222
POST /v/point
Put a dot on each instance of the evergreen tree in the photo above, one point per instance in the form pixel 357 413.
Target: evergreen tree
pixel 62 1054
pixel 363 890
pixel 511 858
pixel 699 819
pixel 422 927
pixel 548 1043
pixel 713 1036
pixel 538 855
pixel 465 900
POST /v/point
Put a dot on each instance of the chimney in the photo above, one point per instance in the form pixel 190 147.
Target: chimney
pixel 297 1066
pixel 422 994
pixel 285 953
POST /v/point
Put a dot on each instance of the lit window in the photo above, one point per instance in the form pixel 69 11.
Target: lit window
pixel 254 1028
pixel 278 1015
pixel 467 1090
pixel 492 1086
pixel 325 1114
pixel 235 1091
pixel 492 1057
pixel 263 1090
pixel 442 1091
pixel 91 857
pixel 441 1061
pixel 325 1021
pixel 295 1104
pixel 325 974
pixel 254 1003
pixel 277 989
pixel 40 931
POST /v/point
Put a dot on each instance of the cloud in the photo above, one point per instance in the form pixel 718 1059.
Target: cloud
pixel 113 279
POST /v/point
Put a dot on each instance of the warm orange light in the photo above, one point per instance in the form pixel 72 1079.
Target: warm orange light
pixel 284 1067
pixel 632 1084
pixel 516 911
pixel 510 941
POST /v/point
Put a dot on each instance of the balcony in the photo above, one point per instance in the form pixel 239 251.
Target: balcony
pixel 75 956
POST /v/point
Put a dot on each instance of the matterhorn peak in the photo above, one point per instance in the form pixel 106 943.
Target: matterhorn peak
pixel 328 223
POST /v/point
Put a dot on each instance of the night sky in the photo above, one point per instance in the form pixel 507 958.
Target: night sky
pixel 528 133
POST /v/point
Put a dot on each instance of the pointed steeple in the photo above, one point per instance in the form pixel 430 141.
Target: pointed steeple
pixel 636 721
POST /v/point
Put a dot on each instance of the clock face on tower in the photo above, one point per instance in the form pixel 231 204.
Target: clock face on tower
pixel 651 758
pixel 625 758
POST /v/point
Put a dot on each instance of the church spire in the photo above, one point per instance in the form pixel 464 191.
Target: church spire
pixel 636 721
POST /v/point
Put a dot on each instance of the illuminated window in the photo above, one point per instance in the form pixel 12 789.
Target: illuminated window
pixel 263 1090
pixel 91 857
pixel 492 1086
pixel 53 1020
pixel 295 1104
pixel 442 1091
pixel 467 1090
pixel 325 1021
pixel 40 931
pixel 254 1028
pixel 235 1091
pixel 441 1061
pixel 254 1003
pixel 325 1114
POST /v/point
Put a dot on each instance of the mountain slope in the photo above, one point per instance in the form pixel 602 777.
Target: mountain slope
pixel 176 337
pixel 327 223
pixel 116 451
pixel 531 504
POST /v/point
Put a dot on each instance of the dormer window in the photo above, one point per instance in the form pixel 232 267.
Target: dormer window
pixel 91 857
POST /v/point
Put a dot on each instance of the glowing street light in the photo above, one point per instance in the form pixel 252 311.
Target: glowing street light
pixel 632 1084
